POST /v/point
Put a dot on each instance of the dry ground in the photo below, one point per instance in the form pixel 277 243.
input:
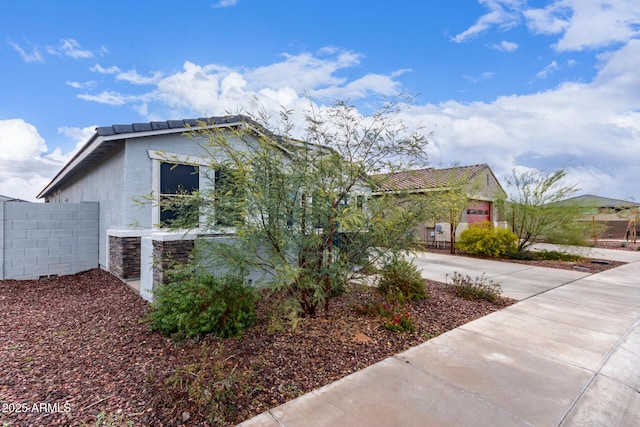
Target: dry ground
pixel 76 350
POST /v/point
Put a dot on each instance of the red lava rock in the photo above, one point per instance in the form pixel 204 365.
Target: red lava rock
pixel 80 345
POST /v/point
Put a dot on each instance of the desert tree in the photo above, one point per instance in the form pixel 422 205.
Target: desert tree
pixel 300 210
pixel 451 200
pixel 538 206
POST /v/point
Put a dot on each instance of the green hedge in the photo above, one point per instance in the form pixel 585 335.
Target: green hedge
pixel 193 305
pixel 484 239
pixel 400 280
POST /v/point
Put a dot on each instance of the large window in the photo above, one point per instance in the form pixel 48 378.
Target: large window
pixel 177 182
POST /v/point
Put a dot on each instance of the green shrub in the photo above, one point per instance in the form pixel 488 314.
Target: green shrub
pixel 193 305
pixel 475 288
pixel 397 317
pixel 400 280
pixel 484 239
pixel 523 255
pixel 557 256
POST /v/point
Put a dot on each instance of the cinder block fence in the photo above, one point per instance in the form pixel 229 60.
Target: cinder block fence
pixel 47 239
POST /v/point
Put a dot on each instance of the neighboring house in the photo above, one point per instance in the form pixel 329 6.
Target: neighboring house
pixel 617 216
pixel 10 199
pixel 479 182
pixel 120 163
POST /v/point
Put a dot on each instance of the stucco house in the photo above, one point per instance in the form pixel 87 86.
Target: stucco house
pixel 618 218
pixel 478 181
pixel 120 163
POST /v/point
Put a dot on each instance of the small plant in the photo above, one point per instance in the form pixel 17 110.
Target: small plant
pixel 557 256
pixel 523 255
pixel 400 322
pixel 105 419
pixel 397 317
pixel 193 305
pixel 475 288
pixel 212 384
pixel 401 281
pixel 485 239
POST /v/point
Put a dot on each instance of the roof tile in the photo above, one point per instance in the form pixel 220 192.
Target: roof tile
pixel 428 178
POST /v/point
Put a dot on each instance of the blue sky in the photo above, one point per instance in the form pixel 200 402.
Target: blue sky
pixel 513 83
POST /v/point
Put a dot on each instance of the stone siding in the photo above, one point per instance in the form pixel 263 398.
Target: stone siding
pixel 167 254
pixel 124 257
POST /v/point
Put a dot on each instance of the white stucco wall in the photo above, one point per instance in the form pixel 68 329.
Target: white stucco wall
pixel 104 183
pixel 121 175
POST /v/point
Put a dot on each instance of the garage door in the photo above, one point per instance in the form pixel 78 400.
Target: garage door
pixel 478 211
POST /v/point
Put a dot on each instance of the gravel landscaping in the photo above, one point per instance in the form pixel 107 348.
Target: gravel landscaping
pixel 76 350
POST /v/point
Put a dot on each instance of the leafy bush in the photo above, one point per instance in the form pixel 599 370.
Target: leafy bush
pixel 484 239
pixel 397 318
pixel 475 288
pixel 557 256
pixel 400 280
pixel 193 305
pixel 523 255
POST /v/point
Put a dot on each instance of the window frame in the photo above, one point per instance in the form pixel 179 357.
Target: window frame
pixel 159 157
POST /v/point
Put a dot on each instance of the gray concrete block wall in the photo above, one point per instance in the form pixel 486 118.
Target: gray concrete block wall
pixel 45 239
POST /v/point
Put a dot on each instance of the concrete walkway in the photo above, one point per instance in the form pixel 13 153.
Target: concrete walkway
pixel 568 354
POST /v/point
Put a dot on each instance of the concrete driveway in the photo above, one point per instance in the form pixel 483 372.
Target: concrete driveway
pixel 566 356
pixel 518 281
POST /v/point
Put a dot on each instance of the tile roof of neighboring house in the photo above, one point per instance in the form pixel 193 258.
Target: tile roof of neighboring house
pixel 10 199
pixel 428 178
pixel 601 202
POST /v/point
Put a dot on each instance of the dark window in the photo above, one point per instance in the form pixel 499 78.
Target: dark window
pixel 177 182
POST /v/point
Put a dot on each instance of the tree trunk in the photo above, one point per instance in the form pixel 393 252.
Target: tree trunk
pixel 327 277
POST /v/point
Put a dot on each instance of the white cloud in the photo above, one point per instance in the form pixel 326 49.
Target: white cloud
pixel 82 85
pixel 133 77
pixel 213 89
pixel 553 19
pixel 599 23
pixel 482 77
pixel 505 46
pixel 225 3
pixel 70 48
pixel 504 14
pixel 33 56
pixel 549 69
pixel 25 168
pixel 100 69
pixel 78 135
pixel 107 97
pixel 592 128
pixel 581 24
pixel 304 71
